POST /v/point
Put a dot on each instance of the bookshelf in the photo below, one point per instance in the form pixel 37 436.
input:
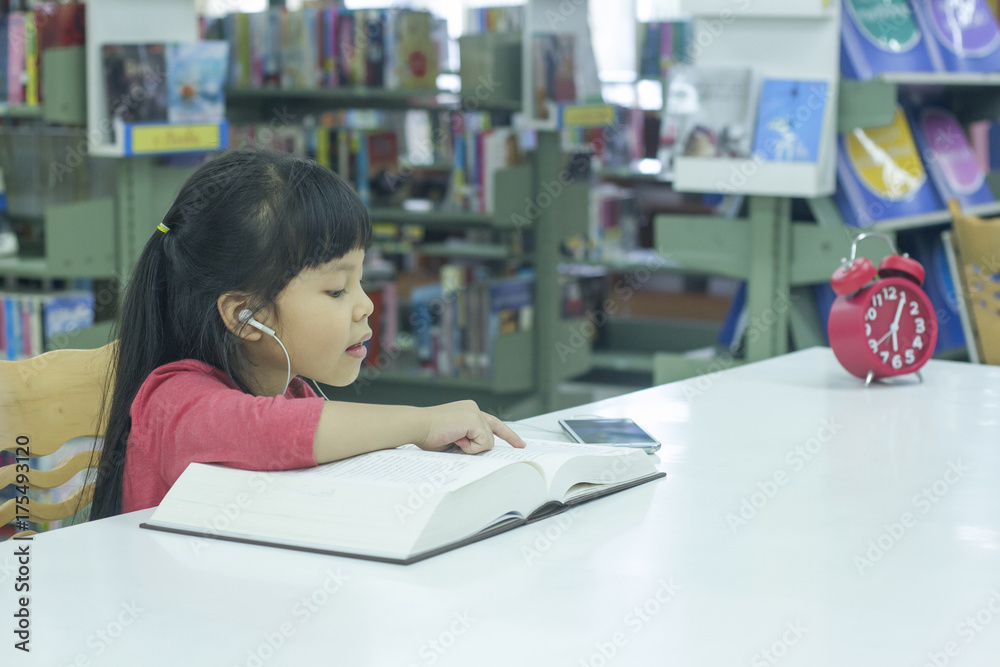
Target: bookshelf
pixel 100 236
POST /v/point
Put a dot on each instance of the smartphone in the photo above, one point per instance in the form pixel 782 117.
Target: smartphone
pixel 616 432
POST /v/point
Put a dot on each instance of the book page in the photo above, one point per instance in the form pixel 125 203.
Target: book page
pixel 566 464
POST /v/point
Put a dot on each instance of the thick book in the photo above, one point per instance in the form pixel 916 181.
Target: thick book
pixel 397 505
pixel 882 36
pixel 961 36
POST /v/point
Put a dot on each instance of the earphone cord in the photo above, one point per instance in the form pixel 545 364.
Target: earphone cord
pixel 288 378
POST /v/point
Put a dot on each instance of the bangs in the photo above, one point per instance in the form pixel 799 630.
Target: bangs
pixel 319 218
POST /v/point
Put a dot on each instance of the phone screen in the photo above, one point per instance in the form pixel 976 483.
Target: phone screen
pixel 608 431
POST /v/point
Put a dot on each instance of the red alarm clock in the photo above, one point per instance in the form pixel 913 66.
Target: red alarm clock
pixel 881 324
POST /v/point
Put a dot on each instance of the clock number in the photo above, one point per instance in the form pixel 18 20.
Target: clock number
pixel 918 342
pixel 885 356
pixel 910 357
pixel 914 308
pixel 873 345
pixel 890 292
pixel 877 300
pixel 896 361
pixel 868 329
pixel 921 326
pixel 871 314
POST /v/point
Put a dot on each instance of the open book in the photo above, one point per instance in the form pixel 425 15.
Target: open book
pixel 397 505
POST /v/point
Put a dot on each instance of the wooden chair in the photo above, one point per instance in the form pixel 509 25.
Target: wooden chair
pixel 50 399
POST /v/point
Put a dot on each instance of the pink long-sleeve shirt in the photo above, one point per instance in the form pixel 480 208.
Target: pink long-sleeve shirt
pixel 188 411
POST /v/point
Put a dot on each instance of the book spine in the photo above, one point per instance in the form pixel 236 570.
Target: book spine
pixel 15 59
pixel 257 36
pixel 375 51
pixel 330 47
pixel 30 60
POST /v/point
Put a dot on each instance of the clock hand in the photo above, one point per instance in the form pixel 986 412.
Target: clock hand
pixel 894 327
pixel 887 334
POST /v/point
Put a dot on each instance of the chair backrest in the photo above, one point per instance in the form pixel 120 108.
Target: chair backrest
pixel 44 402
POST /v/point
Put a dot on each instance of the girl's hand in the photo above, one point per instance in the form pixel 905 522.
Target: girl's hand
pixel 465 425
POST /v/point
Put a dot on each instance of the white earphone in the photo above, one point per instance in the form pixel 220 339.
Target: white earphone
pixel 246 317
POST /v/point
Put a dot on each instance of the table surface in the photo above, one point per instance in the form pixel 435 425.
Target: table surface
pixel 804 520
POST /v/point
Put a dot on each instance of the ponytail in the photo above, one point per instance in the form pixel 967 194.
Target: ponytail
pixel 141 349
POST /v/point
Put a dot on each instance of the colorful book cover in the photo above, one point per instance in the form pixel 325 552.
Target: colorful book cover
pixel 196 81
pixel 880 175
pixel 709 113
pixel 135 81
pixel 950 160
pixel 790 120
pixel 417 62
pixel 962 36
pixel 881 36
pixel 67 312
pixel 58 25
pixel 554 71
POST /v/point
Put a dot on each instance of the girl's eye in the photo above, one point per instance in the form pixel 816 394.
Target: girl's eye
pixel 337 293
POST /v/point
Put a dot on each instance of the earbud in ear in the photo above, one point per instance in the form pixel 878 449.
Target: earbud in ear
pixel 246 317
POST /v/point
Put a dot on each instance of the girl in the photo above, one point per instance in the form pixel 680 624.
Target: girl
pixel 252 278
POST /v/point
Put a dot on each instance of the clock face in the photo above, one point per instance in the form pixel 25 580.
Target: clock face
pixel 900 327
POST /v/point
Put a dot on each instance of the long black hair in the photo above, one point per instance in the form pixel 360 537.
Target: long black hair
pixel 247 221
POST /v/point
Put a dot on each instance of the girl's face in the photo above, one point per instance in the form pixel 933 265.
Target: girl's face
pixel 323 321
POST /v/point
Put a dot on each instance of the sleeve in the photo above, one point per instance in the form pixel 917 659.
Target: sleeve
pixel 183 416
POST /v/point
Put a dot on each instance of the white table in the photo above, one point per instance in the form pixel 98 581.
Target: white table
pixel 656 575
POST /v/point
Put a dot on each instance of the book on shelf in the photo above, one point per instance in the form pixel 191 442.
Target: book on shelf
pixel 961 36
pixel 29 320
pixel 58 24
pixel 16 54
pixel 135 67
pixel 790 120
pixel 196 81
pixel 479 20
pixel 984 135
pixel 880 175
pixel 926 247
pixel 456 323
pixel 553 71
pixel 330 47
pixel 709 112
pixel 951 163
pixel 663 44
pixel 398 505
pixel 180 82
pixel 882 36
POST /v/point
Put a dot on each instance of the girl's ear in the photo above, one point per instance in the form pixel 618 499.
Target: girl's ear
pixel 230 304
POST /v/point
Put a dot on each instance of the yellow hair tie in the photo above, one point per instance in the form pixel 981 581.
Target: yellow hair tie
pixel 163 228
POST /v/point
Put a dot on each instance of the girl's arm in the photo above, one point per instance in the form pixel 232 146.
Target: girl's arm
pixel 348 429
